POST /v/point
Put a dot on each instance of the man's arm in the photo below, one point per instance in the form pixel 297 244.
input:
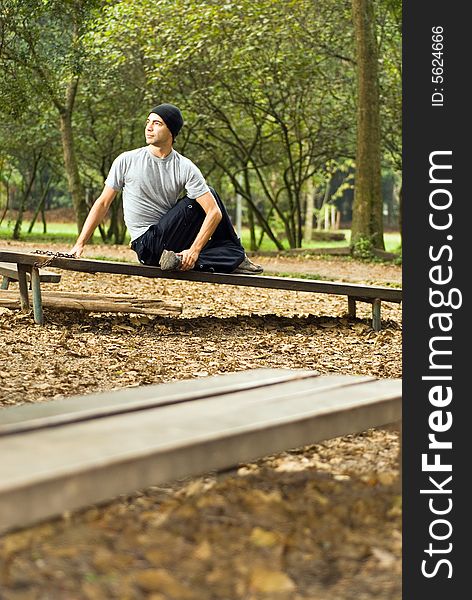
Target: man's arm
pixel 210 223
pixel 96 215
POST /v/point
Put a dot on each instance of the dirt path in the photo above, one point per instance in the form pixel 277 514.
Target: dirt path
pixel 316 523
pixel 335 268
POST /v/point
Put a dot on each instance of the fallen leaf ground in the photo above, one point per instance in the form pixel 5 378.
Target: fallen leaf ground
pixel 315 523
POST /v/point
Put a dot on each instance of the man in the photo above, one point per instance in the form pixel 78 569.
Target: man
pixel 193 232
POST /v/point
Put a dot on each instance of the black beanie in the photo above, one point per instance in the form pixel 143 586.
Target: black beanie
pixel 171 115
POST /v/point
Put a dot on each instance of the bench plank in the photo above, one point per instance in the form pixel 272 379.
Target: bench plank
pixel 263 281
pixel 71 466
pixel 10 271
pixel 121 303
pixel 81 408
pixel 77 408
pixel 355 292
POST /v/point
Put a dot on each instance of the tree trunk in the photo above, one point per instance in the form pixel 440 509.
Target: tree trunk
pixel 309 212
pixel 324 201
pixel 367 224
pixel 263 222
pixel 252 230
pixel 40 207
pixel 19 221
pixel 72 171
pixel 332 224
pixel 7 204
pixel 76 188
pixel 43 218
pixel 116 230
pixel 400 212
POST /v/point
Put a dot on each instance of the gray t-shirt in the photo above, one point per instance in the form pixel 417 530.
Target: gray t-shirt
pixel 151 185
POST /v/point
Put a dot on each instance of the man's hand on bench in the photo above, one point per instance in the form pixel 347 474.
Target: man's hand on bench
pixel 77 250
pixel 189 258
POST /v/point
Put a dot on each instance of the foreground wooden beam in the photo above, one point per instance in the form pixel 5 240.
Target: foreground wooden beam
pixel 27 417
pixel 94 302
pixel 66 466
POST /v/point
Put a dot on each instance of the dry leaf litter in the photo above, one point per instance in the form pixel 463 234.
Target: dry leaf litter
pixel 316 523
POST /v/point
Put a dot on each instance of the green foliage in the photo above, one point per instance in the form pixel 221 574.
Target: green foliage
pixel 362 247
pixel 389 27
pixel 399 251
pixel 267 88
pixel 41 48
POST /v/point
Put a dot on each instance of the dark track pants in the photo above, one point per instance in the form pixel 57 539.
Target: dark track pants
pixel 177 231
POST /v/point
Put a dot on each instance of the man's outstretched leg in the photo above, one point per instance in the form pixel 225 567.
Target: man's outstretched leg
pixel 225 245
pixel 177 229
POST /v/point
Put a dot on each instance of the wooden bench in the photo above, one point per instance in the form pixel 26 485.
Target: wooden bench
pixel 9 273
pixel 31 263
pixel 69 453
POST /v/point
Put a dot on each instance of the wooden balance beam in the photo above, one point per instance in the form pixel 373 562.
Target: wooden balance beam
pixel 66 454
pixel 31 263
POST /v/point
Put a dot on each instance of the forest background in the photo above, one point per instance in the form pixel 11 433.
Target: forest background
pixel 289 106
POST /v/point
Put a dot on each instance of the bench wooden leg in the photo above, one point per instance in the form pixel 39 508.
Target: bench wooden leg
pixel 351 307
pixel 5 283
pixel 37 301
pixel 24 298
pixel 376 321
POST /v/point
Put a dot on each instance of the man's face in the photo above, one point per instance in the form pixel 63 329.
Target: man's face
pixel 156 131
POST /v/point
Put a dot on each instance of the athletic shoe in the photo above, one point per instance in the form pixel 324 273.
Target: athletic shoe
pixel 247 267
pixel 170 261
